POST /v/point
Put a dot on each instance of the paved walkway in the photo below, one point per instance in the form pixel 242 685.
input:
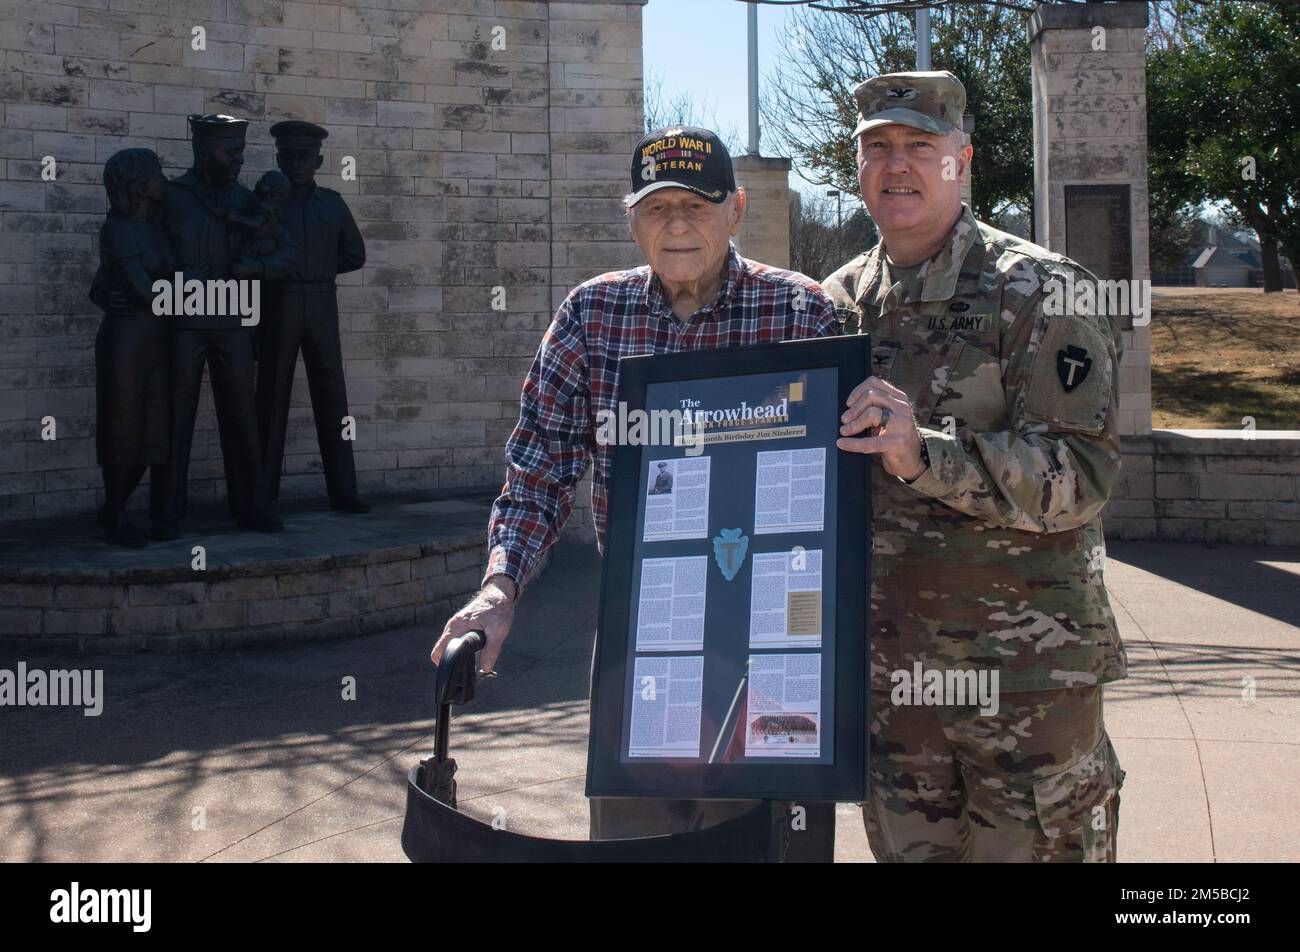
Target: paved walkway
pixel 257 756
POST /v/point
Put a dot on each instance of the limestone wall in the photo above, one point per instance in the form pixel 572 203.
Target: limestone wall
pixel 765 232
pixel 1208 486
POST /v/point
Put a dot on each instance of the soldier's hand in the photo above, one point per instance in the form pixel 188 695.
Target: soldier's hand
pixel 491 611
pixel 882 409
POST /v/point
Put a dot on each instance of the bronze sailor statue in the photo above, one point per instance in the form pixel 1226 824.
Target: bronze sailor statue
pixel 208 241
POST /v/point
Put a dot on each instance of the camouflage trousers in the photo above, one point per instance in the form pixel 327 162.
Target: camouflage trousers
pixel 1036 782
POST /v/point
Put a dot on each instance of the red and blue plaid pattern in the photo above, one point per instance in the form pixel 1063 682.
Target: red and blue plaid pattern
pixel 575 376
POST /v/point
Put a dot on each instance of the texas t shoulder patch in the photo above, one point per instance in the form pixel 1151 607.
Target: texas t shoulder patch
pixel 1071 375
pixel 1072 366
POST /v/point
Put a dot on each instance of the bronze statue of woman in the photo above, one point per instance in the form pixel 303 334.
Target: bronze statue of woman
pixel 133 412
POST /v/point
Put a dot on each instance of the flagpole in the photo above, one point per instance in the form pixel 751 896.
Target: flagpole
pixel 922 39
pixel 752 15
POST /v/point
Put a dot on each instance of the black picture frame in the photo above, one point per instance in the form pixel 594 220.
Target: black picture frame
pixel 838 771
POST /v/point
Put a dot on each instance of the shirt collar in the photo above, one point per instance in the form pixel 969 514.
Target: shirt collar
pixel 937 279
pixel 657 303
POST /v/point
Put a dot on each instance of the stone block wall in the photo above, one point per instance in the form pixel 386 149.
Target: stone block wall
pixel 490 140
pixel 765 232
pixel 1208 486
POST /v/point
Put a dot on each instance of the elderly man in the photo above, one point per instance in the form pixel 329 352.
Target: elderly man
pixel 994 422
pixel 696 293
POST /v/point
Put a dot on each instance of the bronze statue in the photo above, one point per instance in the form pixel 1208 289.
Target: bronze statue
pixel 132 402
pixel 266 235
pixel 197 217
pixel 303 314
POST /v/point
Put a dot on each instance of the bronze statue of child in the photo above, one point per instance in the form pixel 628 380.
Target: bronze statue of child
pixel 263 232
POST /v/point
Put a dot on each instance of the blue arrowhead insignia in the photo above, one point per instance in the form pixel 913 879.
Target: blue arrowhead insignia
pixel 729 550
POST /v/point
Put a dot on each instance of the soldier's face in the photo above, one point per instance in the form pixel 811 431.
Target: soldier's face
pixel 225 157
pixel 299 165
pixel 910 179
pixel 683 236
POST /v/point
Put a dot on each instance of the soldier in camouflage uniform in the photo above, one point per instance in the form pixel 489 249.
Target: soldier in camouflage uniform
pixel 994 420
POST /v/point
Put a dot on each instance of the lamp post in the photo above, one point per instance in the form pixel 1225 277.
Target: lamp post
pixel 839 218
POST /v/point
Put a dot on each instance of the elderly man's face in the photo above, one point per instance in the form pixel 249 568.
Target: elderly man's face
pixel 683 236
pixel 908 186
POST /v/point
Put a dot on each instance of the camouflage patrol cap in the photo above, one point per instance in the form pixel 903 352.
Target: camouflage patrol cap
pixel 932 101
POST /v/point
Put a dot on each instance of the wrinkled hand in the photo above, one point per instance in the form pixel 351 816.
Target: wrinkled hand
pixel 491 611
pixel 882 408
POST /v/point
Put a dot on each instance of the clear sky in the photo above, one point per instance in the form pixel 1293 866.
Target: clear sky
pixel 699 47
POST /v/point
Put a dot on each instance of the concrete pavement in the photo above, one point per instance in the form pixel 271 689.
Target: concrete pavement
pixel 257 755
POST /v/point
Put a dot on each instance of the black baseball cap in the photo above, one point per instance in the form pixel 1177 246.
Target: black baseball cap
pixel 682 157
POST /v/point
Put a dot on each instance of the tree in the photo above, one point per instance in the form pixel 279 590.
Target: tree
pixel 1224 121
pixel 662 111
pixel 818 243
pixel 808 103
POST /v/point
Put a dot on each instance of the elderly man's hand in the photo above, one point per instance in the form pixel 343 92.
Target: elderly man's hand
pixel 877 405
pixel 491 611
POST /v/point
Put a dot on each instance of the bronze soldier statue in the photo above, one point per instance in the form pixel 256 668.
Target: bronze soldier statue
pixel 304 315
pixel 197 218
pixel 132 403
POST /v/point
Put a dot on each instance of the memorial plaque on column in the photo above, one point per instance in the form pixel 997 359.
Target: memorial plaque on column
pixel 1099 229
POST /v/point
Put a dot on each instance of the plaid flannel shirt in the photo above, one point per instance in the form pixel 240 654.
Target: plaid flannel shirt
pixel 575 376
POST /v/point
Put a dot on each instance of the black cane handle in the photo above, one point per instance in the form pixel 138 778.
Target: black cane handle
pixel 457 672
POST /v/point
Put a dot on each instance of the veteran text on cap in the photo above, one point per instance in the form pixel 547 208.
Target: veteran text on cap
pixel 682 157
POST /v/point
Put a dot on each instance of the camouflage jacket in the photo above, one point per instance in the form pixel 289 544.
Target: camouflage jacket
pixel 992 558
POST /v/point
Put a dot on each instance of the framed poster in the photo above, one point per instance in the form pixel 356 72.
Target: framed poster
pixel 731 651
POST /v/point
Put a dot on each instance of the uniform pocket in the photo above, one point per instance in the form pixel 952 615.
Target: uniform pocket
pixel 972 393
pixel 1082 802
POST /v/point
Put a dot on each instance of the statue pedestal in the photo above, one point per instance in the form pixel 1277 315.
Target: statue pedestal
pixel 409 561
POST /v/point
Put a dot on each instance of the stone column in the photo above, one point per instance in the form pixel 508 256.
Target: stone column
pixel 596 116
pixel 1090 160
pixel 765 232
